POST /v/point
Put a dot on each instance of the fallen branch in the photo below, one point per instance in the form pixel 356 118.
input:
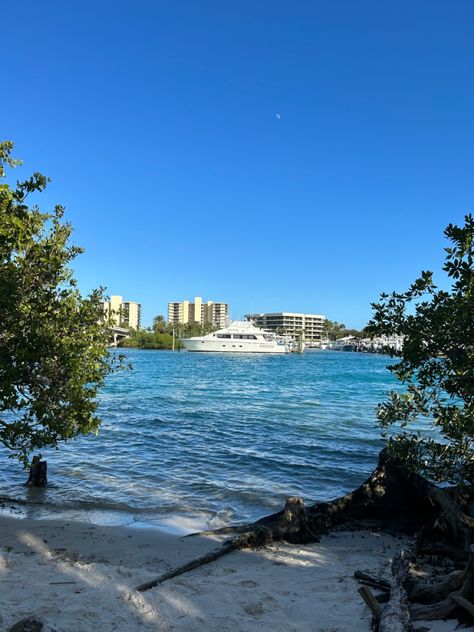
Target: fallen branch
pixel 371 580
pixel 247 540
pixel 373 605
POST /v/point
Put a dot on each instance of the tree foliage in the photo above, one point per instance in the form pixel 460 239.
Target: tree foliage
pixel 160 326
pixel 334 330
pixel 161 334
pixel 188 330
pixel 149 340
pixel 53 355
pixel 182 330
pixel 436 366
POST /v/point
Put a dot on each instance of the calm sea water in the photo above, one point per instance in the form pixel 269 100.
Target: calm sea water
pixel 191 441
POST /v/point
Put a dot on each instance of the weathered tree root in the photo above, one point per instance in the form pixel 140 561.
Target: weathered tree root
pixel 464 603
pixel 391 499
pixel 425 593
pixel 292 524
pixel 457 590
pixel 436 548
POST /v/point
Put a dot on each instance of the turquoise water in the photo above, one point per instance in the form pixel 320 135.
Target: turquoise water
pixel 191 441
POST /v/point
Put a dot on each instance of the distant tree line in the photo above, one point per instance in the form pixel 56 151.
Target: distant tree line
pixel 146 339
pixel 160 335
pixel 334 330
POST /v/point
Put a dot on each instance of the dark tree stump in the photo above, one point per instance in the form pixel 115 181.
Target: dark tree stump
pixel 38 473
pixel 28 624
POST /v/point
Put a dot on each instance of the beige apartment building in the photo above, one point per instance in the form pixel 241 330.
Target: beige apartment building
pixel 293 323
pixel 126 314
pixel 198 312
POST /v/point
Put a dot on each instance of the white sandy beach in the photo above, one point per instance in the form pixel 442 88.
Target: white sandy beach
pixel 80 577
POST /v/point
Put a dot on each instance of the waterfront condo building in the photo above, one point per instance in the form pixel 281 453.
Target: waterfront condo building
pixel 310 325
pixel 198 312
pixel 126 314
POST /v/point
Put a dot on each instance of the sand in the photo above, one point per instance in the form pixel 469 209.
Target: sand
pixel 80 577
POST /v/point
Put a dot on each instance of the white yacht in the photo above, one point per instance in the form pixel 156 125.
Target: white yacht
pixel 239 337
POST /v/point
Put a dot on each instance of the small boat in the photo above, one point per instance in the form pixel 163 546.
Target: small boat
pixel 239 337
pixel 342 344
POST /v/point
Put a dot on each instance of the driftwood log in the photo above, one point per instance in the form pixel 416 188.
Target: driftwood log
pixel 394 500
pixel 395 616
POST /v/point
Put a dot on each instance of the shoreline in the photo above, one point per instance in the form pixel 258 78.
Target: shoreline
pixel 178 525
pixel 80 577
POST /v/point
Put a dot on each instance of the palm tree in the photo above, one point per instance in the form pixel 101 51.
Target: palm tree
pixel 159 324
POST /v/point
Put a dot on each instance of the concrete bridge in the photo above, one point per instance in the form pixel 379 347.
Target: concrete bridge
pixel 119 333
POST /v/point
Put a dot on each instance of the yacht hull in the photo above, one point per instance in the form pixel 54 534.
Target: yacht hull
pixel 229 346
pixel 238 337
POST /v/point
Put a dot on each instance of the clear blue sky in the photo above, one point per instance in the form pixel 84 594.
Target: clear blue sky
pixel 280 156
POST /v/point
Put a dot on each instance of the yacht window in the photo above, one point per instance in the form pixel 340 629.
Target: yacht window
pixel 251 337
pixel 223 335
